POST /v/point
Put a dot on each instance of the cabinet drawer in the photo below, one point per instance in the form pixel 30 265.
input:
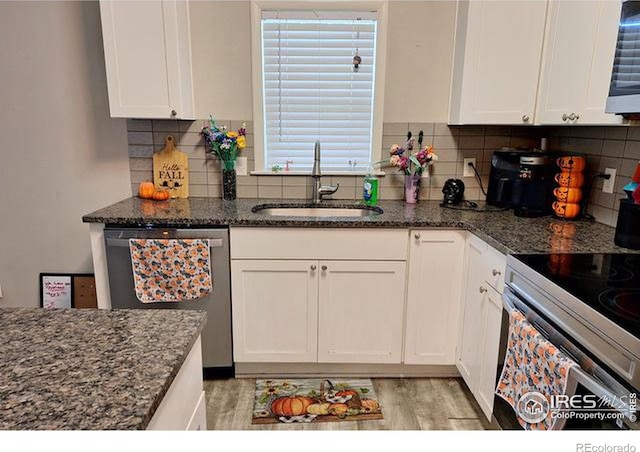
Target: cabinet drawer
pixel 496 265
pixel 318 244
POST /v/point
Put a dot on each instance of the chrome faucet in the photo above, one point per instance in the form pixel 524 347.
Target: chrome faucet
pixel 319 190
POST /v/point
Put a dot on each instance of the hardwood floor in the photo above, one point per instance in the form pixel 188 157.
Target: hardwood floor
pixel 407 404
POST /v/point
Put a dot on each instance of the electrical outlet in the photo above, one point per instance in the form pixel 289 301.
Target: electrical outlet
pixel 608 184
pixel 468 171
pixel 241 166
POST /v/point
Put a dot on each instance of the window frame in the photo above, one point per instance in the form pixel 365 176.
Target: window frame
pixel 257 6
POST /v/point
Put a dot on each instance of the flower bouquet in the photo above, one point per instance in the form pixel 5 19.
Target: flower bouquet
pixel 412 165
pixel 226 145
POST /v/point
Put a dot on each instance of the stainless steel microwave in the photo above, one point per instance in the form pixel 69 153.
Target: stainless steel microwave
pixel 624 91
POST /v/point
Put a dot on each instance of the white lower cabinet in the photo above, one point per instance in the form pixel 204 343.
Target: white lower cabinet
pixel 275 310
pixel 318 295
pixel 433 294
pixel 479 338
pixel 183 407
pixel 361 311
pixel 491 306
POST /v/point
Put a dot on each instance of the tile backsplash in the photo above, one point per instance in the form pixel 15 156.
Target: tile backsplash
pixel 607 147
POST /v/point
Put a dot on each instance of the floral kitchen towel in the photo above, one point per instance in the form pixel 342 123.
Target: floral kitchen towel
pixel 534 370
pixel 170 269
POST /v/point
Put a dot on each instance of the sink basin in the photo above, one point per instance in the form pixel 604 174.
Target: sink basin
pixel 311 210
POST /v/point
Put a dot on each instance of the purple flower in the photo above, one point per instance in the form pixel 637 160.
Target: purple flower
pixel 422 157
pixel 403 163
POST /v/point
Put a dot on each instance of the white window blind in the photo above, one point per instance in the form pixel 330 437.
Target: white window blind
pixel 311 91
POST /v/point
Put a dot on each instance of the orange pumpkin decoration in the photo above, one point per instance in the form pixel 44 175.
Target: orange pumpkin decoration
pixel 569 179
pixel 338 409
pixel 346 393
pixel 146 189
pixel 572 163
pixel 370 405
pixel 160 195
pixel 566 209
pixel 290 406
pixel 566 194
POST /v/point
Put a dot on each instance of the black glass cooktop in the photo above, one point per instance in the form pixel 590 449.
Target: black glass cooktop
pixel 608 283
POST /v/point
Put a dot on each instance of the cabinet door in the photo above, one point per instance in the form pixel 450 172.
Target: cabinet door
pixel 468 361
pixel 496 62
pixel 576 66
pixel 490 344
pixel 361 311
pixel 275 310
pixel 433 296
pixel 147 58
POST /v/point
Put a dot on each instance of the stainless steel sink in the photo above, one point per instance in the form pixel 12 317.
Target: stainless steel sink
pixel 306 210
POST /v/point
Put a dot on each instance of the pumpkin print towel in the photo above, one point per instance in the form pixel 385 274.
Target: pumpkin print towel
pixel 532 364
pixel 170 269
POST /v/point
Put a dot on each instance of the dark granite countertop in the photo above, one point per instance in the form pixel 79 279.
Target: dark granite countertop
pixel 501 229
pixel 89 369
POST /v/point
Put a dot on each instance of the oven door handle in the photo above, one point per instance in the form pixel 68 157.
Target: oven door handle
pixel 124 243
pixel 576 374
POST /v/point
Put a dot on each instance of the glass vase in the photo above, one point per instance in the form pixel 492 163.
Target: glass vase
pixel 229 180
pixel 411 188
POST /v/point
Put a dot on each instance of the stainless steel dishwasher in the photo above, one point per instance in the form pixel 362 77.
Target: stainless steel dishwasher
pixel 216 337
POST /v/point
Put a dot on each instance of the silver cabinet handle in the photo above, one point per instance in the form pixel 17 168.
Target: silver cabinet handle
pixel 482 289
pixel 495 272
pixel 313 268
pixel 174 113
pixel 571 117
pixel 417 235
pixel 525 118
pixel 324 268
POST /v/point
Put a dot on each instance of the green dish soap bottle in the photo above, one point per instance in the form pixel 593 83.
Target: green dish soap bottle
pixel 370 189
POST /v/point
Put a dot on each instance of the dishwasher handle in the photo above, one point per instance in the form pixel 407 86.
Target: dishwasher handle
pixel 124 243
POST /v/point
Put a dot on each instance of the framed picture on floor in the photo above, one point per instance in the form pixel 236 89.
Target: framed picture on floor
pixel 64 291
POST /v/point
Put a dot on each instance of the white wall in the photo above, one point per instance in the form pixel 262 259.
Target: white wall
pixel 419 58
pixel 62 156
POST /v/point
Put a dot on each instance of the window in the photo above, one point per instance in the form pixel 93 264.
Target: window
pixel 312 91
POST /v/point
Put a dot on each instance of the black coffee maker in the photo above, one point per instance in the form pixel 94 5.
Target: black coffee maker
pixel 522 179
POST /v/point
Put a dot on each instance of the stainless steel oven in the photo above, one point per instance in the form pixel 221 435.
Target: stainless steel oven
pixel 608 356
pixel 624 91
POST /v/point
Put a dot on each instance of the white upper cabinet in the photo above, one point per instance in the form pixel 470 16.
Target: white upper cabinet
pixel 497 55
pixel 147 53
pixel 533 62
pixel 577 59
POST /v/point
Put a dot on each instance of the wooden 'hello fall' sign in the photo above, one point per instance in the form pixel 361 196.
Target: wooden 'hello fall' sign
pixel 171 170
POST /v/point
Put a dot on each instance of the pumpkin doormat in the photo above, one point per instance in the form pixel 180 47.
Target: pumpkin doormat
pixel 315 400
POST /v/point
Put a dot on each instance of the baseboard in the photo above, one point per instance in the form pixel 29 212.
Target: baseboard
pixel 259 370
